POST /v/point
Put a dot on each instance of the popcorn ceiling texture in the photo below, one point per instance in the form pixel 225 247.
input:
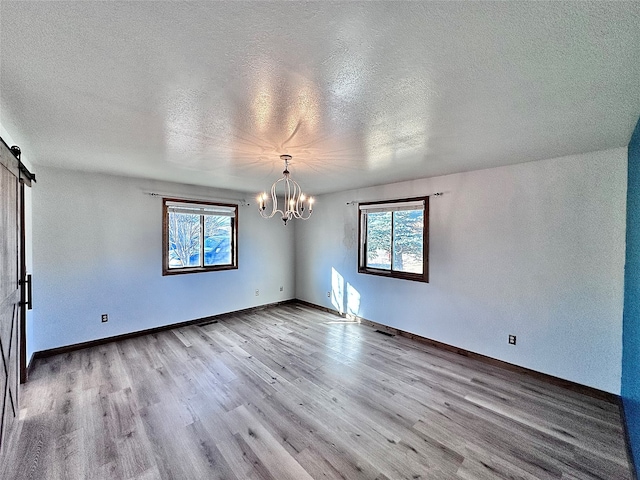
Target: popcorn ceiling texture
pixel 360 94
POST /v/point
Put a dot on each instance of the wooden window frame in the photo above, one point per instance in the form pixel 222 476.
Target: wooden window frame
pixel 362 243
pixel 206 268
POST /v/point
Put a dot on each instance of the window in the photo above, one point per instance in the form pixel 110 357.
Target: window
pixel 394 238
pixel 198 236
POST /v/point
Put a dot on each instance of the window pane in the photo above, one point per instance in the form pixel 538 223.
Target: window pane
pixel 379 240
pixel 407 241
pixel 184 240
pixel 217 240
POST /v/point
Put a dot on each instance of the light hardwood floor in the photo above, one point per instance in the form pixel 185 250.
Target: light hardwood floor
pixel 295 393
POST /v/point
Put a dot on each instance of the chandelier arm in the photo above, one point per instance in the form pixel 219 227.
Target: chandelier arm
pixel 287 198
pixel 298 196
pixel 274 197
pixel 300 209
pixel 293 196
pixel 274 202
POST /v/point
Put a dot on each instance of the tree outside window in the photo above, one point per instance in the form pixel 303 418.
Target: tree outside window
pixel 393 238
pixel 199 236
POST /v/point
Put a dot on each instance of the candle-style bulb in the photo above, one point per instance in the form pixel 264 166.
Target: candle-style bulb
pixel 262 200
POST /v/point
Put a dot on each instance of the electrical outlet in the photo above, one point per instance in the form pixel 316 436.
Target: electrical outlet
pixel 329 294
pixel 257 292
pixel 105 318
pixel 512 339
pixel 281 288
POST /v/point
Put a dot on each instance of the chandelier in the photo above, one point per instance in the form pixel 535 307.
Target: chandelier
pixel 296 204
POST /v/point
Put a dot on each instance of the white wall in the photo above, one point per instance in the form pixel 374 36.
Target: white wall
pixel 535 250
pixel 97 248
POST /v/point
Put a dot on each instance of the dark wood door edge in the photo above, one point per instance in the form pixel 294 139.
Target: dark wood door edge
pixel 22 320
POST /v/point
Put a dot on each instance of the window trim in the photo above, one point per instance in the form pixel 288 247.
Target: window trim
pixel 210 268
pixel 362 244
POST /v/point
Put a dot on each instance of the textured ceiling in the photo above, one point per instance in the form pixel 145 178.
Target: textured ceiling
pixel 360 94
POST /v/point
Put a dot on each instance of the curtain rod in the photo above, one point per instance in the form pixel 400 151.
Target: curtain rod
pixel 240 201
pixel 437 194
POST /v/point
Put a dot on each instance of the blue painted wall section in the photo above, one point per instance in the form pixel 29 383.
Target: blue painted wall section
pixel 631 319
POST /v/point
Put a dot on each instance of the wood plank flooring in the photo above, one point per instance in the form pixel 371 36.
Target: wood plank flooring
pixel 295 393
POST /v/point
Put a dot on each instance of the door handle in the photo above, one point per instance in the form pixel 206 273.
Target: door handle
pixel 29 301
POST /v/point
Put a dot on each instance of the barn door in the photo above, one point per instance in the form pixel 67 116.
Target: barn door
pixel 13 178
pixel 9 291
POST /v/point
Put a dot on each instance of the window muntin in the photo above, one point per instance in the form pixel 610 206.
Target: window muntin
pixel 394 238
pixel 199 236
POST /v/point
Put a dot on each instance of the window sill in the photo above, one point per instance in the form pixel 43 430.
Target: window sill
pixel 415 277
pixel 180 271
